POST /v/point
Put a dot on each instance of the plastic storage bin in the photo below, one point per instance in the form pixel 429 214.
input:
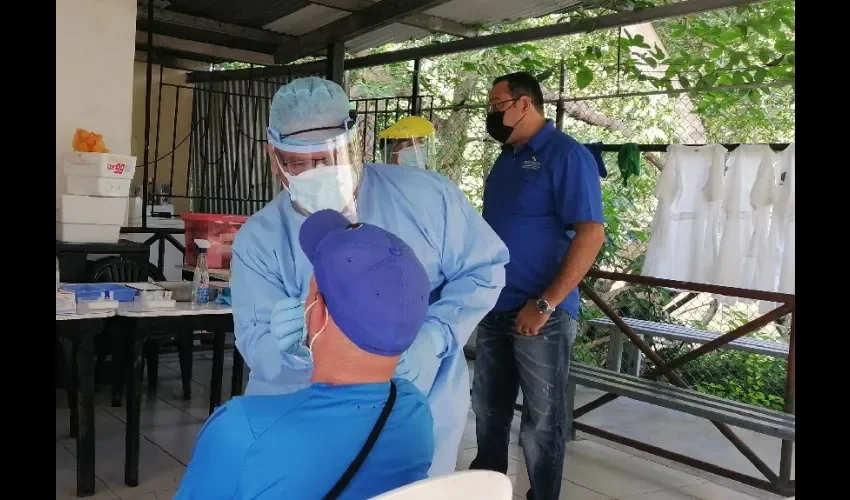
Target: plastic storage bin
pixel 220 230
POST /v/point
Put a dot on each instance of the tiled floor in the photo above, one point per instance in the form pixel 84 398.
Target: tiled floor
pixel 593 471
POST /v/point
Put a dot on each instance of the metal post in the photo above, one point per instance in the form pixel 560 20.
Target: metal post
pixel 156 198
pixel 416 100
pixel 336 62
pixel 787 450
pixel 148 85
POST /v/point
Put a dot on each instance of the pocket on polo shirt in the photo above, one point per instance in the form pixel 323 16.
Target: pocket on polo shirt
pixel 534 195
pixel 502 194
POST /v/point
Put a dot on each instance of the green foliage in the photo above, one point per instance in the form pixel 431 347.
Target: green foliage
pixel 628 211
pixel 226 66
pixel 391 80
pixel 748 45
pixel 748 378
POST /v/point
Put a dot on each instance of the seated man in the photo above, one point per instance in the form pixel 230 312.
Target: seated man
pixel 368 299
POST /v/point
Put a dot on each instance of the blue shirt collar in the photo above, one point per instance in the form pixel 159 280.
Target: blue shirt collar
pixel 539 139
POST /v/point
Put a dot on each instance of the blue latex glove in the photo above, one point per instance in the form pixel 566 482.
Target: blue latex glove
pixel 420 362
pixel 287 326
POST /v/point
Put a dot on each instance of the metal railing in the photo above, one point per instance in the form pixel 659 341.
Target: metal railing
pixel 672 367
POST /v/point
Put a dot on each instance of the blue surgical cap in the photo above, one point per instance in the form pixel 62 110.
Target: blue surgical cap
pixel 308 103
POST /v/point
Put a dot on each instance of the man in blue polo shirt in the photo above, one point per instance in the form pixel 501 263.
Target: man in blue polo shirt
pixel 543 198
pixel 353 433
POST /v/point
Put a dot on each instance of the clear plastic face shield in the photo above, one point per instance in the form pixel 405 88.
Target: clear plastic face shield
pixel 414 152
pixel 321 168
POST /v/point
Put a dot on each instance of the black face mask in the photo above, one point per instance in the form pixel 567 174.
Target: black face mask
pixel 496 127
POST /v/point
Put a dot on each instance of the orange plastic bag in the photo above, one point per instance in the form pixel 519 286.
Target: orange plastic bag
pixel 88 142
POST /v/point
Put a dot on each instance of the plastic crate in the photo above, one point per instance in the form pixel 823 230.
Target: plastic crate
pixel 220 230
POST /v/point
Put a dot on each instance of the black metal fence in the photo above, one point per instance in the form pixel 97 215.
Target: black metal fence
pixel 226 169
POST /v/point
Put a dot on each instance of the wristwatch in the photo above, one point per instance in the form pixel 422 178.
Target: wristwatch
pixel 543 306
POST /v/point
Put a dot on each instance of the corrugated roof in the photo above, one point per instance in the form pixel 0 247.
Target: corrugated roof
pixel 488 12
pixel 305 20
pixel 459 16
pixel 468 12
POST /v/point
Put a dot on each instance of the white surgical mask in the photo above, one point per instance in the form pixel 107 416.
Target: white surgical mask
pixel 323 187
pixel 413 156
pixel 307 338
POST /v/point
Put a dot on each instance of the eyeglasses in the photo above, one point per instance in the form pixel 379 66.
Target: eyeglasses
pixel 499 106
pixel 296 167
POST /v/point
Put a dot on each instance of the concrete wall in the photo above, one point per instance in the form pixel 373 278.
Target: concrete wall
pixel 162 119
pixel 95 45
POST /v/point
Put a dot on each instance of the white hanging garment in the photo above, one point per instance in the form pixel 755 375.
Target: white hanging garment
pixel 777 272
pixel 684 241
pixel 745 217
pixel 764 253
pixel 788 271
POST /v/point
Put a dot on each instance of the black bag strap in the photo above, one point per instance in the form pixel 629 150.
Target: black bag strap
pixel 367 447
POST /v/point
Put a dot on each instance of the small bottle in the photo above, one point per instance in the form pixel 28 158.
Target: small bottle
pixel 201 281
pixel 57 274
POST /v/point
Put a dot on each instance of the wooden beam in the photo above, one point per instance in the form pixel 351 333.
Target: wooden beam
pixel 423 21
pixel 262 13
pixel 358 23
pixel 205 49
pixel 172 62
pixel 211 26
pixel 336 61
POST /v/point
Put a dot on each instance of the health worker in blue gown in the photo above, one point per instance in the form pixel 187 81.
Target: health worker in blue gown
pixel 313 146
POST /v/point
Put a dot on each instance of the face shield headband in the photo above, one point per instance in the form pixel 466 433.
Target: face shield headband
pixel 288 143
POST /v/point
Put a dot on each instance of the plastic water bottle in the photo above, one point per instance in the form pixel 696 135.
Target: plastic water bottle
pixel 57 274
pixel 201 281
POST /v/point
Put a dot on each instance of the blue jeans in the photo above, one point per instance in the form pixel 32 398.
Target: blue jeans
pixel 506 361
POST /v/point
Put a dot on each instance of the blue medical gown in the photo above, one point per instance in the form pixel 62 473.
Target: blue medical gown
pixel 464 258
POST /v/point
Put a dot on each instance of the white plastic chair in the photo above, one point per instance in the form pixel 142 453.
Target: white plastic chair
pixel 463 485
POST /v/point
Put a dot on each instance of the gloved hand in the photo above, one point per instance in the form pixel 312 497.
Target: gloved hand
pixel 287 326
pixel 420 362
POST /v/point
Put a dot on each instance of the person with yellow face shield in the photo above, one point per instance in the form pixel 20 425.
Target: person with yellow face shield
pixel 409 141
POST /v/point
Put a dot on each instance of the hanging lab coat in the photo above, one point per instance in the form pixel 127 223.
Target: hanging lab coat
pixel 684 241
pixel 745 216
pixel 465 261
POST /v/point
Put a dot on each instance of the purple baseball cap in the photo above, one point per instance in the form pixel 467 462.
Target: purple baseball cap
pixel 375 288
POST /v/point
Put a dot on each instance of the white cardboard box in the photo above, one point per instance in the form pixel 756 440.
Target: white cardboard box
pixel 82 185
pixel 75 209
pixel 87 233
pixel 108 165
pixel 65 302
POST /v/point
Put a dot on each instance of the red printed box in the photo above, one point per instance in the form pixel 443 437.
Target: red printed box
pixel 108 165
